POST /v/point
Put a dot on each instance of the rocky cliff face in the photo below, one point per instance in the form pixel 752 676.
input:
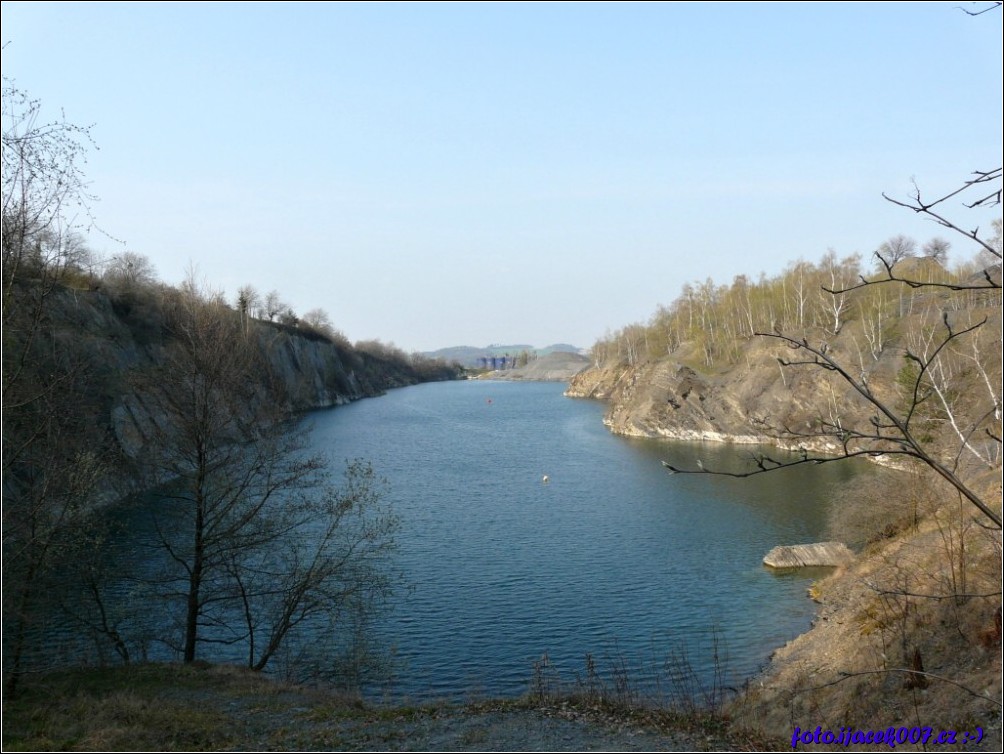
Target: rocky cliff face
pixel 115 338
pixel 751 401
pixel 666 399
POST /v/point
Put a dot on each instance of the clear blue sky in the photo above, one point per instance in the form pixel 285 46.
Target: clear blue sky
pixel 450 174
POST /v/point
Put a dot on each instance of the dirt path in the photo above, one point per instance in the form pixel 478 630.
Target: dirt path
pixel 503 727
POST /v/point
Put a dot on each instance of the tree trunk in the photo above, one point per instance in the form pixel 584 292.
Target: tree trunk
pixel 194 583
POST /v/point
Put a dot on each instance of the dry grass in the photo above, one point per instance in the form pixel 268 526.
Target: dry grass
pixel 84 710
pixel 145 707
pixel 908 635
pixel 183 708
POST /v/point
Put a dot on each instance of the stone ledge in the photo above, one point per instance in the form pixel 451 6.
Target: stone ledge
pixel 801 556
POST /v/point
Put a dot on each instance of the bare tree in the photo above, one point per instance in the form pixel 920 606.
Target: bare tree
pixel 54 464
pixel 258 541
pixel 895 250
pixel 45 195
pixel 53 457
pixel 207 443
pixel 272 305
pixel 886 433
pixel 318 320
pixel 331 565
pixel 837 276
pixel 937 249
pixel 802 286
pixel 131 270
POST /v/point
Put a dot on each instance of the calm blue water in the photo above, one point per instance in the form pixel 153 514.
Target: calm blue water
pixel 611 557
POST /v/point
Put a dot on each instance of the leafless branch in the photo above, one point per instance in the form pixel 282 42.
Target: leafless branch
pixel 844 675
pixel 890 432
pixel 992 6
pixel 916 203
pixel 902 593
pixel 992 199
pixel 891 277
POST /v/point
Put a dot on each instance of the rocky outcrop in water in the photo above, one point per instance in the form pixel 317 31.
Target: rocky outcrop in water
pixel 805 556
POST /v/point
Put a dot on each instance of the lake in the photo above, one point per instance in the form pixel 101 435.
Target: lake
pixel 611 556
pixel 645 572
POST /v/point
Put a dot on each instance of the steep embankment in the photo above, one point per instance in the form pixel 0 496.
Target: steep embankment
pixel 113 339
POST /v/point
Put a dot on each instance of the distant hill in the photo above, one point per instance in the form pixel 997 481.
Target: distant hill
pixel 562 347
pixel 469 356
